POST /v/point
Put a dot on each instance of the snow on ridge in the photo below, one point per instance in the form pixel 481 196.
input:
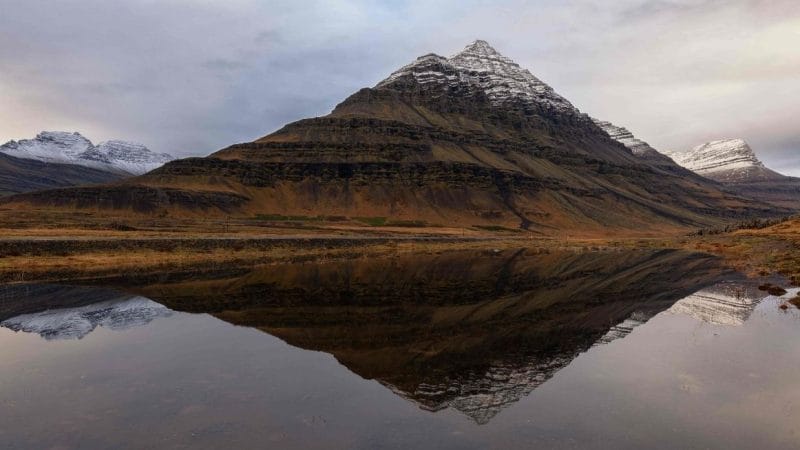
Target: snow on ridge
pixel 481 66
pixel 625 137
pixel 724 160
pixel 73 148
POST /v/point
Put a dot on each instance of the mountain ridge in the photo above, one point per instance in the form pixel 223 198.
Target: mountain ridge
pixel 725 160
pixel 470 140
pixel 735 164
pixel 123 157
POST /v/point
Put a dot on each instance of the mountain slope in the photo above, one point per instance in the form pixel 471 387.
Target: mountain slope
pixel 24 175
pixel 733 163
pixel 640 148
pixel 471 139
pixel 72 148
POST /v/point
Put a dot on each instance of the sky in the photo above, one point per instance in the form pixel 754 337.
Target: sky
pixel 191 77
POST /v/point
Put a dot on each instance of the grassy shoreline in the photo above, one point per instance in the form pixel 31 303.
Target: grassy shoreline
pixel 78 253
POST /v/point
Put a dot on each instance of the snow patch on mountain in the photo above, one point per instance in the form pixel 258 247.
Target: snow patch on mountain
pixel 72 148
pixel 76 323
pixel 625 137
pixel 729 160
pixel 482 67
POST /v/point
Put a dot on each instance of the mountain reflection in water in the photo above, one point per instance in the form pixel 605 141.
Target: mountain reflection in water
pixel 108 309
pixel 472 331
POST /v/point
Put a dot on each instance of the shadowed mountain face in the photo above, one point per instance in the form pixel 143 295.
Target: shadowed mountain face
pixel 19 175
pixel 469 140
pixel 466 330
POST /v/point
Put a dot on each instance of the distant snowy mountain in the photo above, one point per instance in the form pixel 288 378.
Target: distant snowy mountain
pixel 76 323
pixel 733 163
pixel 72 148
pixel 727 161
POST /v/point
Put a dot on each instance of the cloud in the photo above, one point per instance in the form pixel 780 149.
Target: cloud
pixel 191 77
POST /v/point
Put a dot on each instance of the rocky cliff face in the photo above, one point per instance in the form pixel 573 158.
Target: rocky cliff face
pixel 473 139
pixel 626 138
pixel 61 147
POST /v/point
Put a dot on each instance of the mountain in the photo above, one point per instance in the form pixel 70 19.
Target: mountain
pixel 726 161
pixel 61 147
pixel 472 331
pixel 642 149
pixel 24 175
pixel 473 139
pixel 733 163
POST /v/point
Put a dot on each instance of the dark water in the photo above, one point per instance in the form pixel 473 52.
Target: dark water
pixel 460 350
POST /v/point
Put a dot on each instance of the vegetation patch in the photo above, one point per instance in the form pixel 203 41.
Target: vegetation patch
pixel 407 223
pixel 372 221
pixel 282 218
pixel 497 228
pixel 121 227
pixel 385 222
pixel 751 224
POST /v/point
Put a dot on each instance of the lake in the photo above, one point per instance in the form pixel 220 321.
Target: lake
pixel 469 349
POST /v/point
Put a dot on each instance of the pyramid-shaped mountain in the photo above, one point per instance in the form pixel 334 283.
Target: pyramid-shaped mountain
pixel 473 139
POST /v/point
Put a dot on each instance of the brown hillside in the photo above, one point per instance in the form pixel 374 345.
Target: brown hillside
pixel 443 152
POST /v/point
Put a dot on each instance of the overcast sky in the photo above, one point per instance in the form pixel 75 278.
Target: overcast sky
pixel 190 77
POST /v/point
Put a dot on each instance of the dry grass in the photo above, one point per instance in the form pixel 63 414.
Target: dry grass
pixel 754 252
pixel 76 265
pixel 758 252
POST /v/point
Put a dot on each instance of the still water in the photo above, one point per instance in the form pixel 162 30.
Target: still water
pixel 511 349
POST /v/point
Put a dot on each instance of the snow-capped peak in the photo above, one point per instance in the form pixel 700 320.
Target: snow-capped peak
pixel 72 148
pixel 480 65
pixel 128 156
pixel 49 146
pixel 727 160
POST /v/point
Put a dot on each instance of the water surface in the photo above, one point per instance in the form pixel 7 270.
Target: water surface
pixel 512 349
